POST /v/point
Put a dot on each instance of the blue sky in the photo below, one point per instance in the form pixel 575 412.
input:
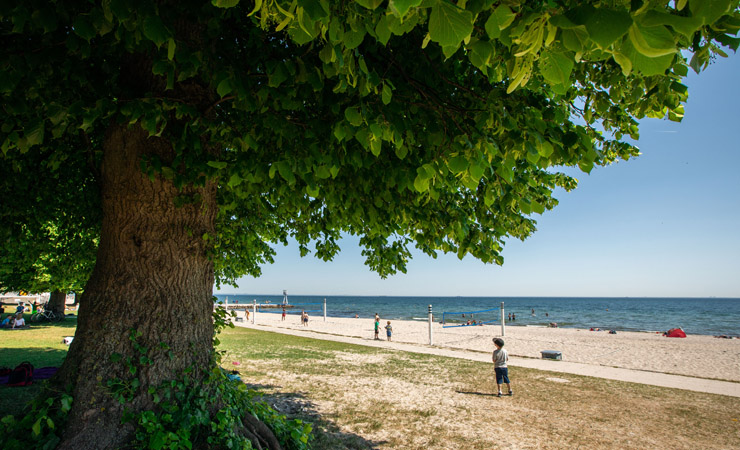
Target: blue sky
pixel 666 224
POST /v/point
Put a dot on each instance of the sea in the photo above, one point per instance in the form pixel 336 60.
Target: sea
pixel 707 316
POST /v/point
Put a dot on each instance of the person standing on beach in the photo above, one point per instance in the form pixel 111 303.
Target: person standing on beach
pixel 283 313
pixel 500 359
pixel 377 327
pixel 389 330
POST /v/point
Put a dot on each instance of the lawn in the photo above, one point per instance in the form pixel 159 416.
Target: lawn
pixel 369 398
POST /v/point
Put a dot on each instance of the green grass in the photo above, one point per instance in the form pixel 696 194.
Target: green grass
pixel 372 398
pixel 41 345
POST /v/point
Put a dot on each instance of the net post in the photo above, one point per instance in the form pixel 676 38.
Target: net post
pixel 431 320
pixel 324 309
pixel 503 327
pixel 254 311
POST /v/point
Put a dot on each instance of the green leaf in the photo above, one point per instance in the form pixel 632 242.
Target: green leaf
pixel 155 31
pixel 710 10
pixel 652 42
pixel 171 49
pixel 458 164
pixel 286 172
pixel 314 8
pixel 34 133
pixel 121 9
pixel 224 87
pixel 556 67
pixel 369 4
pixel 499 20
pixel 684 25
pixel 353 115
pixel 383 30
pixel 375 146
pixel 401 7
pixel 353 39
pixel 84 28
pixel 606 26
pixel 401 152
pixel 476 171
pixel 66 403
pixel 224 3
pixel 421 184
pixel 449 25
pixel 36 428
pixel 217 164
pixel 235 180
pixel 387 94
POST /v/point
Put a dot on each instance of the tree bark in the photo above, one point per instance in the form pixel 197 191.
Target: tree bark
pixel 152 274
pixel 57 302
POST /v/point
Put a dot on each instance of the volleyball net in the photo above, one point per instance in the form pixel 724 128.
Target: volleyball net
pixel 298 308
pixel 470 318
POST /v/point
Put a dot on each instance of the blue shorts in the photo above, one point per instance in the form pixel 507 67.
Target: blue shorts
pixel 502 375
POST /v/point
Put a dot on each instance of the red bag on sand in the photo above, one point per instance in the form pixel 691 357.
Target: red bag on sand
pixel 675 332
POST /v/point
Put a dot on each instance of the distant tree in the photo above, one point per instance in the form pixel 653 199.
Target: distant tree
pixel 215 129
pixel 49 234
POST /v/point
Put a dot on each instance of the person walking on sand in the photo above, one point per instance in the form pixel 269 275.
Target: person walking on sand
pixel 389 330
pixel 500 359
pixel 283 313
pixel 377 327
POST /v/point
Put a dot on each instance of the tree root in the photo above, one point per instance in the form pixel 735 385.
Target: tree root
pixel 261 436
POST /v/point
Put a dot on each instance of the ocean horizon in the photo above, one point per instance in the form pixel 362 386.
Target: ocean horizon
pixel 695 315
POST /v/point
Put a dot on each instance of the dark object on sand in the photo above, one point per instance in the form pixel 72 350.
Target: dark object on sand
pixel 675 332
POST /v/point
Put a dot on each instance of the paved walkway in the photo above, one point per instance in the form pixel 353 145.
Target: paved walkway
pixel 611 373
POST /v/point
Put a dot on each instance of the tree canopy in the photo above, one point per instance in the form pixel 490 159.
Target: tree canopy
pixel 190 136
pixel 427 123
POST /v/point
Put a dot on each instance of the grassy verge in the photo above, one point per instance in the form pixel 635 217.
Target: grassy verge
pixel 362 397
pixel 370 398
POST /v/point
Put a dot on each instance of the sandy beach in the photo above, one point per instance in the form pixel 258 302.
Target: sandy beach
pixel 703 357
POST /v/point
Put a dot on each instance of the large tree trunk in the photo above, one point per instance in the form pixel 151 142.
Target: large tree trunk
pixel 57 302
pixel 152 274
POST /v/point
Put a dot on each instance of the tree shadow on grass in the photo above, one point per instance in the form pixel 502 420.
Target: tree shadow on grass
pixel 327 435
pixel 14 399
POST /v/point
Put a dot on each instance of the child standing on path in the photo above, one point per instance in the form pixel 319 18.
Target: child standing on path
pixel 500 360
pixel 389 330
pixel 377 327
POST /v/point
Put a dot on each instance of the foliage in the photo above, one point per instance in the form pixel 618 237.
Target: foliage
pixel 40 427
pixel 49 234
pixel 183 409
pixel 421 122
pixel 183 416
pixel 182 413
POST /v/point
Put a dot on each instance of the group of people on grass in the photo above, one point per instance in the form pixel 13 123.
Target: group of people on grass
pixel 14 320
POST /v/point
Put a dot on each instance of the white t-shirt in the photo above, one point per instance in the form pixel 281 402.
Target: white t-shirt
pixel 500 358
pixel 19 323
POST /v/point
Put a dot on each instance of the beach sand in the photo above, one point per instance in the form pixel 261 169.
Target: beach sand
pixel 704 357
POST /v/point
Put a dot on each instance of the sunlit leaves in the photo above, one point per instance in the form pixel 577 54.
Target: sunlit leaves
pixel 605 26
pixel 449 24
pixel 378 118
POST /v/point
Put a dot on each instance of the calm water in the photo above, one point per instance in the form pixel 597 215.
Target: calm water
pixel 712 316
